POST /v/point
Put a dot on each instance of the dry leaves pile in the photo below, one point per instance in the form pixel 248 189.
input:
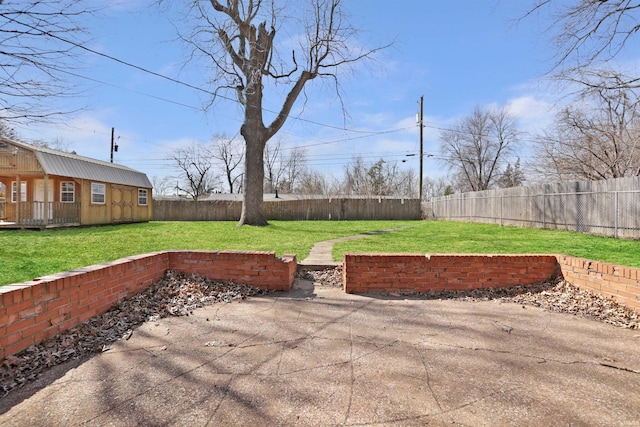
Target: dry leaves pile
pixel 555 295
pixel 563 297
pixel 176 294
pixel 327 277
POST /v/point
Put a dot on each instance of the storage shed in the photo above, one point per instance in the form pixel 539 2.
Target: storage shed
pixel 41 187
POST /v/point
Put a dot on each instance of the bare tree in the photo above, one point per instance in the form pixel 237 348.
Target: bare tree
pixel 194 167
pixel 588 34
pixel 596 137
pixel 474 147
pixel 355 178
pixel 7 131
pixel 405 184
pixel 272 165
pixel 238 37
pixel 382 178
pixel 313 183
pixel 39 40
pixel 228 151
pixel 56 144
pixel 283 170
pixel 433 187
pixel 162 186
pixel 293 166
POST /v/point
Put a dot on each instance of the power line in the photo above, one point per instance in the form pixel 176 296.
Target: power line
pixel 130 90
pixel 171 79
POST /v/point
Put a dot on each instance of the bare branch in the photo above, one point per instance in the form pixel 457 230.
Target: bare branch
pixel 590 33
pixel 38 44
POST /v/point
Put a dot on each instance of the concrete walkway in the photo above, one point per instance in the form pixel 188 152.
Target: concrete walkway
pixel 320 254
pixel 316 356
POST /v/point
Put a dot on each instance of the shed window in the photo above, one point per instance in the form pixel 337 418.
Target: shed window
pixel 67 192
pixel 143 196
pixel 23 191
pixel 98 192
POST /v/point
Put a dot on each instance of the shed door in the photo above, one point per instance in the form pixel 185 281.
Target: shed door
pixel 121 204
pixel 38 199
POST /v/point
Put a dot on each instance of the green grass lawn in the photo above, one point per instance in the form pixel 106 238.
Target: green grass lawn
pixel 459 237
pixel 25 254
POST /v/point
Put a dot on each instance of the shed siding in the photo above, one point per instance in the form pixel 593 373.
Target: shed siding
pixel 118 207
pixel 18 161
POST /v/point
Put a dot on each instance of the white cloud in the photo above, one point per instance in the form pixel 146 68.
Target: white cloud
pixel 528 108
pixel 83 133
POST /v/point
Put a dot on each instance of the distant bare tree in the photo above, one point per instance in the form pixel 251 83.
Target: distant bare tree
pixel 293 165
pixel 313 183
pixel 195 172
pixel 57 144
pixel 432 187
pixel 7 131
pixel 382 178
pixel 40 41
pixel 272 165
pixel 230 153
pixel 475 146
pixel 162 186
pixel 283 170
pixel 406 184
pixel 596 137
pixel 356 178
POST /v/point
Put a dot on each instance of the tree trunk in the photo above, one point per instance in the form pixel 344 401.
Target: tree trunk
pixel 254 135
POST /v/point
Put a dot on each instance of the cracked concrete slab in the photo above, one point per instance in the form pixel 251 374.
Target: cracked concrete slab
pixel 318 357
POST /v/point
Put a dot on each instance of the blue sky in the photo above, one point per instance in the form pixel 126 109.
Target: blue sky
pixel 458 54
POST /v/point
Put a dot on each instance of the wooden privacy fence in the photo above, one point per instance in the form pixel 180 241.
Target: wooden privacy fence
pixel 606 208
pixel 295 210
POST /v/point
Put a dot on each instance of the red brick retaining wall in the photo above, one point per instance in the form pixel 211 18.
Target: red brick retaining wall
pixel 33 311
pixel 422 273
pixel 365 273
pixel 613 281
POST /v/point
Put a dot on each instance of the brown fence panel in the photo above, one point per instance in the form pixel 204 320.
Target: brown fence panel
pixel 188 210
pixel 293 210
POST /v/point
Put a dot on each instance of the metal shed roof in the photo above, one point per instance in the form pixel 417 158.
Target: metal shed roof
pixel 55 162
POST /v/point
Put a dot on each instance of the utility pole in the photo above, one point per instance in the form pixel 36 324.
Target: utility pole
pixel 420 123
pixel 114 146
